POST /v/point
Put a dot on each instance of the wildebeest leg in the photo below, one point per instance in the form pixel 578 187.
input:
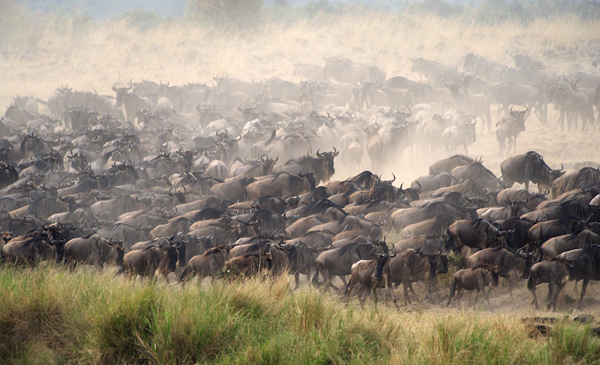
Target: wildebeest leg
pixel 559 287
pixel 459 295
pixel 477 297
pixel 343 279
pixel 405 285
pixel 532 290
pixel 297 280
pixel 550 292
pixel 487 299
pixel 392 294
pixel 583 289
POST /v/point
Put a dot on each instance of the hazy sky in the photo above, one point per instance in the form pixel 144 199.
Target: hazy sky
pixel 99 9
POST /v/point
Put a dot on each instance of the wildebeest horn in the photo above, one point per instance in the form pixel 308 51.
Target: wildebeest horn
pixel 394 179
pixel 375 254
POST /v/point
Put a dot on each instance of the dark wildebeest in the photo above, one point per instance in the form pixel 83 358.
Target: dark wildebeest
pixel 28 249
pixel 477 278
pixel 543 231
pixel 573 180
pixel 529 167
pixel 555 273
pixel 210 263
pixel 508 128
pixel 507 261
pixel 567 242
pixel 301 260
pixel 476 171
pixel 520 228
pixel 146 261
pixel 249 264
pixel 583 264
pixel 562 210
pixel 479 233
pixel 371 274
pixel 321 166
pixel 94 250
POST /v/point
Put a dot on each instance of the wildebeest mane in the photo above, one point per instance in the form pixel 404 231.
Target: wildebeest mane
pixel 364 179
pixel 208 213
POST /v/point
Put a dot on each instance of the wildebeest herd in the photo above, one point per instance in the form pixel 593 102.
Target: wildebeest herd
pixel 235 179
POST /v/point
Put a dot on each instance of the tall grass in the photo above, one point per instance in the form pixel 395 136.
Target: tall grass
pixel 50 315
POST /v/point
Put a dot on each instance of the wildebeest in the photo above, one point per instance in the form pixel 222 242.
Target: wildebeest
pixel 478 172
pixel 462 134
pixel 578 239
pixel 146 261
pixel 448 164
pixel 583 265
pixel 562 210
pixel 413 266
pixel 573 180
pixel 301 260
pixel 28 249
pixel 555 273
pixel 249 264
pixel 282 184
pixel 370 275
pixel 508 128
pixel 210 263
pixel 509 263
pixel 543 231
pixel 529 167
pixel 479 234
pixel 94 250
pixel 339 261
pixel 476 278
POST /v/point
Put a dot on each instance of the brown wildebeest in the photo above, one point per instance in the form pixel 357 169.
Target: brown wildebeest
pixel 146 261
pixel 371 274
pixel 477 278
pixel 30 248
pixel 414 266
pixel 93 250
pixel 210 263
pixel 555 273
pixel 249 264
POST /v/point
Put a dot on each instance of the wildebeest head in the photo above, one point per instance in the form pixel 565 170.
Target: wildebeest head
pixel 381 259
pixel 519 117
pixel 328 168
pixel 121 92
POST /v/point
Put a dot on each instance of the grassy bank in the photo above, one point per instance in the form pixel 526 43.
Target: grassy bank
pixel 49 315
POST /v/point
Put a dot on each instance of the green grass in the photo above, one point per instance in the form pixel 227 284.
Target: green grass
pixel 51 316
